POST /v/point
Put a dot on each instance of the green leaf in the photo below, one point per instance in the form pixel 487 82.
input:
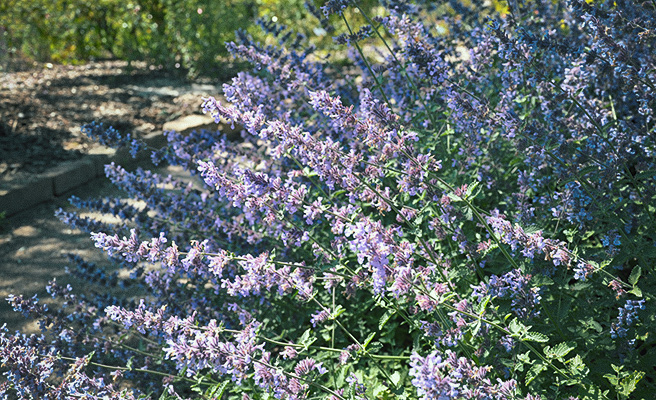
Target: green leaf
pixel 339 310
pixel 305 339
pixel 386 317
pixel 375 347
pixel 635 275
pixel 395 378
pixel 524 358
pixel 624 382
pixel 480 307
pixel 613 379
pixel 369 339
pixel 217 391
pixel 558 351
pixel 594 325
pixel 535 337
pixel 378 389
pixel 617 368
pixel 515 161
pixel 470 193
pixel 535 370
pixel 576 366
pixel 476 328
pixel 629 383
pixel 541 280
pixel 516 328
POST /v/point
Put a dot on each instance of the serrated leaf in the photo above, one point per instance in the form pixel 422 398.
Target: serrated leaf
pixel 341 377
pixel 534 371
pixel 541 280
pixel 524 358
pixel 635 275
pixel 217 391
pixel 636 291
pixel 305 338
pixel 558 351
pixel 374 347
pixel 453 197
pixel 477 327
pixel 516 327
pixel 386 317
pixel 369 339
pixel 535 337
pixel 613 379
pixel 480 307
pixel 339 310
pixel 594 325
pixel 471 189
pixel 576 366
pixel 378 389
pixel 629 383
pixel 395 378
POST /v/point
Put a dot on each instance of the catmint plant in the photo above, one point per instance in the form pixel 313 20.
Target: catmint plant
pixel 460 205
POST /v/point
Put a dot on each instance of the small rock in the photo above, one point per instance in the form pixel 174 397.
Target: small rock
pixel 25 231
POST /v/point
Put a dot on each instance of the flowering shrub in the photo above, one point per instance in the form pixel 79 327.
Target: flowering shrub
pixel 465 212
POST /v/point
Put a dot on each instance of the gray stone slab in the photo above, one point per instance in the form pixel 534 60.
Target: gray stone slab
pixel 190 123
pixel 99 161
pixel 26 196
pixel 71 175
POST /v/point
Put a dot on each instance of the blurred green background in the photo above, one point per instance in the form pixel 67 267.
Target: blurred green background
pixel 178 34
pixel 189 33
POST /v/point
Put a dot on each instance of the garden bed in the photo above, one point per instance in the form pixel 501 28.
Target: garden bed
pixel 42 110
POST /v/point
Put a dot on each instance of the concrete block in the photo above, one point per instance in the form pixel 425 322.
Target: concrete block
pixel 122 157
pixel 99 161
pixel 28 195
pixel 155 140
pixel 190 123
pixel 101 156
pixel 71 175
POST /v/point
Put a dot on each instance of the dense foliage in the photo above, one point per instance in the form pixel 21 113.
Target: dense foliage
pixel 186 34
pixel 183 33
pixel 465 212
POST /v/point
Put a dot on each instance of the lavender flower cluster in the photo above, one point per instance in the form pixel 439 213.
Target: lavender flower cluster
pixel 455 210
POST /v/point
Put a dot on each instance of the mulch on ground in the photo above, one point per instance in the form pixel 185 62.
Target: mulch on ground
pixel 42 110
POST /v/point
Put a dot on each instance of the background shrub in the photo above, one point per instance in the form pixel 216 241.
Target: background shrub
pixel 464 210
pixel 159 31
pixel 189 34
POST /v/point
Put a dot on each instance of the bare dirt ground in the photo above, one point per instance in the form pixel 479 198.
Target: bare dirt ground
pixel 33 250
pixel 41 112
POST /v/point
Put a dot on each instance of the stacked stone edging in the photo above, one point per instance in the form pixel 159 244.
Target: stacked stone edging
pixel 68 176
